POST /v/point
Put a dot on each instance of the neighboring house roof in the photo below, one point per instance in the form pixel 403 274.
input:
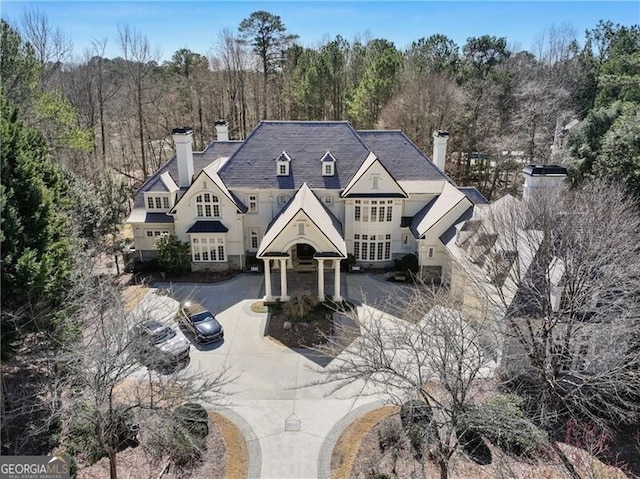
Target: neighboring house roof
pixel 491 257
pixel 208 226
pixel 436 209
pixel 307 203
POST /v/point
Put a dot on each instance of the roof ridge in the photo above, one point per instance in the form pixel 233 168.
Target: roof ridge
pixel 323 122
pixel 444 174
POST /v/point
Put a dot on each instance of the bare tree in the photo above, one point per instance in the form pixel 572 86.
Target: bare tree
pixel 110 389
pixel 140 62
pixel 435 354
pixel 564 271
pixel 51 45
pixel 428 103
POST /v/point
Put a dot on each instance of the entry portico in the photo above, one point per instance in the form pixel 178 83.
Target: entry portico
pixel 303 220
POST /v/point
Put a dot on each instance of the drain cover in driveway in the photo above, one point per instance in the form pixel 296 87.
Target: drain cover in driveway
pixel 292 425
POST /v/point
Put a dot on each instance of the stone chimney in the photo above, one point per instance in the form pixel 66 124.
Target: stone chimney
pixel 440 138
pixel 222 130
pixel 541 178
pixel 184 154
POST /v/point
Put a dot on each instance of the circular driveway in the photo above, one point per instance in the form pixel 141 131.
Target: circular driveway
pixel 287 414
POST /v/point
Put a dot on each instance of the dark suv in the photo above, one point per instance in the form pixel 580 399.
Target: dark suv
pixel 160 345
pixel 200 322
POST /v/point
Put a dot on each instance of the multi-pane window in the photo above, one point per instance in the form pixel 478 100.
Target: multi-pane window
pixel 207 205
pixel 158 203
pixel 372 247
pixel 430 253
pixel 208 249
pixel 252 201
pixel 328 169
pixel 328 199
pixel 282 200
pixel 253 238
pixel 152 233
pixel 378 211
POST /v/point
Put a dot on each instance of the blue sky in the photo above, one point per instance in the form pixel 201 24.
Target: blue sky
pixel 170 26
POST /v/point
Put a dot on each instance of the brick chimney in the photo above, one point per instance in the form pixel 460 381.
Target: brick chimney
pixel 184 154
pixel 540 178
pixel 440 138
pixel 222 130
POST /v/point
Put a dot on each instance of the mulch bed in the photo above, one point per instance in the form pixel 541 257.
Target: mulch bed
pixel 312 331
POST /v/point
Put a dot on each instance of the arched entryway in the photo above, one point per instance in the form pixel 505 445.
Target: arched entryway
pixel 302 257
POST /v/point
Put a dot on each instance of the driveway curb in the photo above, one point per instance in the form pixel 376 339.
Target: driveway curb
pixel 326 449
pixel 254 451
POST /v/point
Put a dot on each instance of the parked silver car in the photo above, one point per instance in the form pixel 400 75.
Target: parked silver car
pixel 160 345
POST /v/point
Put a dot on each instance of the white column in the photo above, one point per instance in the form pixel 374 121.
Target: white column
pixel 267 281
pixel 283 280
pixel 320 279
pixel 336 281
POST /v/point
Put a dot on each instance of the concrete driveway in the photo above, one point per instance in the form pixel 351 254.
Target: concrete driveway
pixel 290 429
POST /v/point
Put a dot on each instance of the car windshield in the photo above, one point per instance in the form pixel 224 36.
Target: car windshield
pixel 200 317
pixel 163 335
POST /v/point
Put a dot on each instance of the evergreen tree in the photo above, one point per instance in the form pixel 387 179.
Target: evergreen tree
pixel 36 260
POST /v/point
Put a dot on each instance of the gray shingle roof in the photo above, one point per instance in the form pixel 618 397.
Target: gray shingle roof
pixel 158 218
pixel 306 142
pixel 474 195
pixel 201 159
pixel 400 156
pixel 208 226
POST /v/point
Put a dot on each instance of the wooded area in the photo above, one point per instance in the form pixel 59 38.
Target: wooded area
pixel 503 106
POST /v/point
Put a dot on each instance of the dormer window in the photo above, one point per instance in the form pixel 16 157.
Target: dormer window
pixel 282 164
pixel 157 202
pixel 328 164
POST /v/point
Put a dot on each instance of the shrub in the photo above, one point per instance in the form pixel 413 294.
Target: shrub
pixel 194 418
pixel 389 437
pixel 183 436
pixel 298 307
pixel 415 413
pixel 503 423
pixel 82 439
pixel 150 266
pixel 416 419
pixel 409 263
pixel 173 254
pixel 347 263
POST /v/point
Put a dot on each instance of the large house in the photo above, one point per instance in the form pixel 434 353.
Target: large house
pixel 304 195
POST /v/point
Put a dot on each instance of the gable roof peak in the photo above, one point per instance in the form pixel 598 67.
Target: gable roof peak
pixel 328 156
pixel 284 156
